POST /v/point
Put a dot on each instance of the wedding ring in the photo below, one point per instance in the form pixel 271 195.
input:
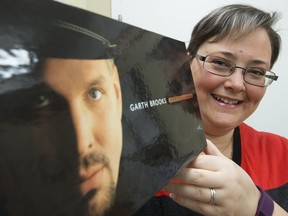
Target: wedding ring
pixel 213 196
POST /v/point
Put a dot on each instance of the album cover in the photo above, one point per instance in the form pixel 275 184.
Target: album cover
pixel 96 115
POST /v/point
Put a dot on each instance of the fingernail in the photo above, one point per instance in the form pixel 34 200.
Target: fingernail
pixel 172 195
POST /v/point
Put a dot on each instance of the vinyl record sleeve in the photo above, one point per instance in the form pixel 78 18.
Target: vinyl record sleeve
pixel 96 115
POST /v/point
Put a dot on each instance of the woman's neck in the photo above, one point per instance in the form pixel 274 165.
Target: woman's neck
pixel 223 142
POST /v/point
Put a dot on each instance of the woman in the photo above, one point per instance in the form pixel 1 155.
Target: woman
pixel 232 50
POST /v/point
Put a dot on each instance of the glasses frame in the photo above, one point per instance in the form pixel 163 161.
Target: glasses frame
pixel 273 76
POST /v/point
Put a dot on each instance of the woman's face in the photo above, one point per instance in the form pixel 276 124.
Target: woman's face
pixel 225 102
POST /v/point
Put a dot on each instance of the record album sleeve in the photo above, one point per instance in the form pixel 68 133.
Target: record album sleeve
pixel 96 115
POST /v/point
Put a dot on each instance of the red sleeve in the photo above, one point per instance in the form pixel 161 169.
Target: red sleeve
pixel 264 157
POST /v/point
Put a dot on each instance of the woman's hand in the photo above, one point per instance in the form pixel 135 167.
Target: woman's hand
pixel 211 171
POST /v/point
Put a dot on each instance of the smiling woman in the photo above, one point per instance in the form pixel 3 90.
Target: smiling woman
pixel 176 19
pixel 230 88
pixel 231 51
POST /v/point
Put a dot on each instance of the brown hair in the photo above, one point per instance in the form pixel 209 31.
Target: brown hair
pixel 237 20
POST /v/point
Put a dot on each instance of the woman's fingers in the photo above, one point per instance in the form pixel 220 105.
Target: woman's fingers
pixel 192 192
pixel 214 185
pixel 211 149
pixel 200 177
pixel 196 198
pixel 209 159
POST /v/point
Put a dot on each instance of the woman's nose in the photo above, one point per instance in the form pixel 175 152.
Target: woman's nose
pixel 236 79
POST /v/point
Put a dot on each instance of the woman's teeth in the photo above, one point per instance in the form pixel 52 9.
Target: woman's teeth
pixel 225 100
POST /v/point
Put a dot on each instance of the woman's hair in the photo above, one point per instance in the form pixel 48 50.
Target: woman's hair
pixel 237 21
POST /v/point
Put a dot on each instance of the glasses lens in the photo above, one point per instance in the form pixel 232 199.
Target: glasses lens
pixel 223 67
pixel 218 65
pixel 258 77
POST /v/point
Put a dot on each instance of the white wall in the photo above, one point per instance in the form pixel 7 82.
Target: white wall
pixel 177 18
pixel 76 3
pixel 102 7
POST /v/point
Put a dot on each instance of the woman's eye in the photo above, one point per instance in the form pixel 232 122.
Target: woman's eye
pixel 255 71
pixel 95 94
pixel 221 63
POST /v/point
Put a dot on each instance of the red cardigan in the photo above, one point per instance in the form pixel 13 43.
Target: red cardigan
pixel 264 156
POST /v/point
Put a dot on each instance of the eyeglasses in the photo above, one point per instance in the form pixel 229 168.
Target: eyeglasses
pixel 223 67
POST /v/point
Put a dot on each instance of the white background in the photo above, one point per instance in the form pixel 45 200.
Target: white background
pixel 176 20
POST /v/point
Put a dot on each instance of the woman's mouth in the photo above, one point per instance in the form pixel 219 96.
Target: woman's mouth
pixel 226 100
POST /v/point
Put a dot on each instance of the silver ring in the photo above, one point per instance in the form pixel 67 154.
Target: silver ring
pixel 213 196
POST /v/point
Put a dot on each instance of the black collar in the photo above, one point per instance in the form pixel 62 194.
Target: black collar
pixel 236 157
